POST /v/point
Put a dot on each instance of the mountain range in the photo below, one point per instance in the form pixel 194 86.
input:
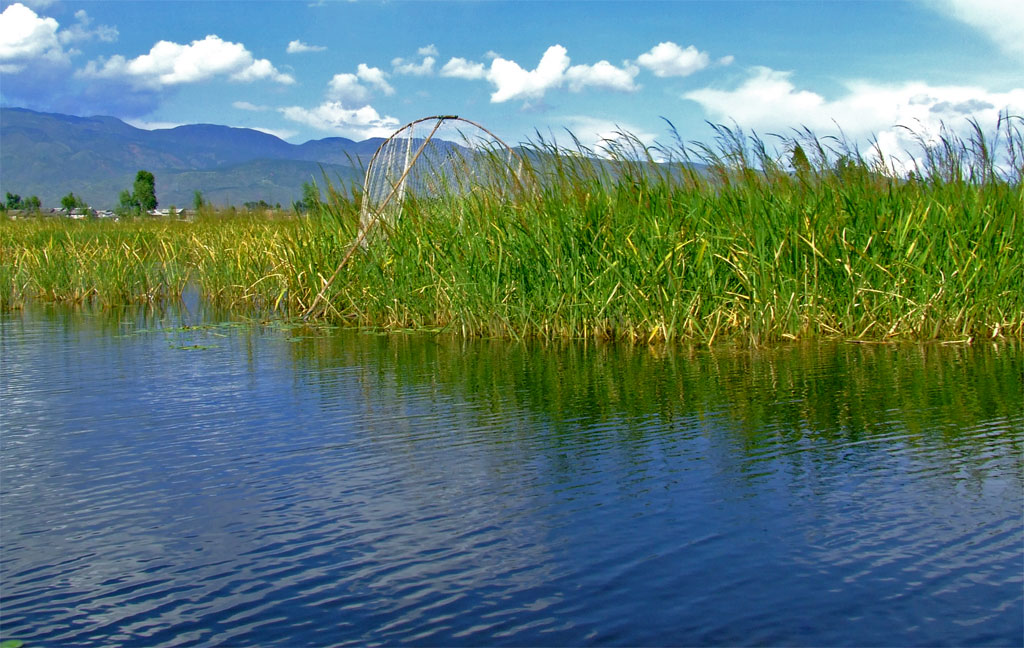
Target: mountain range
pixel 49 155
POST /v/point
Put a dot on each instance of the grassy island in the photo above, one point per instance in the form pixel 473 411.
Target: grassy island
pixel 719 242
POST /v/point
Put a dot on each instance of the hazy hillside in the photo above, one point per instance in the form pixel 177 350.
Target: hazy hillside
pixel 49 155
pixel 275 181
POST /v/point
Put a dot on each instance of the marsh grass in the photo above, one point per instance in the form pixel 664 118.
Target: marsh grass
pixel 737 239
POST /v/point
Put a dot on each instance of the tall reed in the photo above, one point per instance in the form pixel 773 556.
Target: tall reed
pixel 725 240
pixel 733 239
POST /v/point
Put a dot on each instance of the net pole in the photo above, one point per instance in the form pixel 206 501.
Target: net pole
pixel 373 221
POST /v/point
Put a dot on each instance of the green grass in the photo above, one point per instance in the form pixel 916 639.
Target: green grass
pixel 745 248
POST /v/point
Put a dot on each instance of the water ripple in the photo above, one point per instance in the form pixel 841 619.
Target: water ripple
pixel 349 490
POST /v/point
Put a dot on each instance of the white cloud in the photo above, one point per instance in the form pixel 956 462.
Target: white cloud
pixel 375 77
pixel 668 59
pixel 346 87
pixel 333 117
pixel 245 105
pixel 513 82
pixel 261 69
pixel 169 64
pixel 26 37
pixel 152 125
pixel 460 68
pixel 602 75
pixel 603 135
pixel 1002 21
pixel 769 101
pixel 423 68
pixel 81 31
pixel 280 133
pixel 298 47
pixel 767 96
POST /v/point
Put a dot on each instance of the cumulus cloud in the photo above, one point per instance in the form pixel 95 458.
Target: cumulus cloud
pixel 668 60
pixel 170 64
pixel 1002 21
pixel 423 68
pixel 333 117
pixel 26 37
pixel 375 77
pixel 768 96
pixel 511 81
pixel 261 69
pixel 769 101
pixel 298 47
pixel 83 30
pixel 460 68
pixel 346 87
pixel 601 75
pixel 35 61
pixel 336 115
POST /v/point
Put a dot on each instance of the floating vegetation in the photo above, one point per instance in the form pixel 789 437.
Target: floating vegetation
pixel 193 347
pixel 691 242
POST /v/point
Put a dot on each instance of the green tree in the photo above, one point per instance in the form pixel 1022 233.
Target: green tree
pixel 127 206
pixel 32 203
pixel 144 190
pixel 142 198
pixel 257 205
pixel 71 201
pixel 310 198
pixel 197 200
pixel 13 201
pixel 126 202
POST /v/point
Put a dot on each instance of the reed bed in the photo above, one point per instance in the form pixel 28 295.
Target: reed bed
pixel 736 240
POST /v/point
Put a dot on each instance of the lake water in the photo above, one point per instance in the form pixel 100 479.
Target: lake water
pixel 239 484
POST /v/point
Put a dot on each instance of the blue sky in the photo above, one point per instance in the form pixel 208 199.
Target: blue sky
pixel 306 70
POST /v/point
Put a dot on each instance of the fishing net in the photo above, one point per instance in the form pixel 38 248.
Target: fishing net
pixel 432 159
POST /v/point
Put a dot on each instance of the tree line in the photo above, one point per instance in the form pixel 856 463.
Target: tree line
pixel 15 202
pixel 141 198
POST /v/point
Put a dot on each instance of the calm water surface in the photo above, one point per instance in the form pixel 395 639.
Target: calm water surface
pixel 235 484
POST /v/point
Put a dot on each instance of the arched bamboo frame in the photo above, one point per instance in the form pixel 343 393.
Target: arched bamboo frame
pixel 397 193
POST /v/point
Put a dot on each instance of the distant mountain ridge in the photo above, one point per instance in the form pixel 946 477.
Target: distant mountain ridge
pixel 49 155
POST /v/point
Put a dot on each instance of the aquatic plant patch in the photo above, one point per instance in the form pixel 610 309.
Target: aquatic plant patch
pixel 692 243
